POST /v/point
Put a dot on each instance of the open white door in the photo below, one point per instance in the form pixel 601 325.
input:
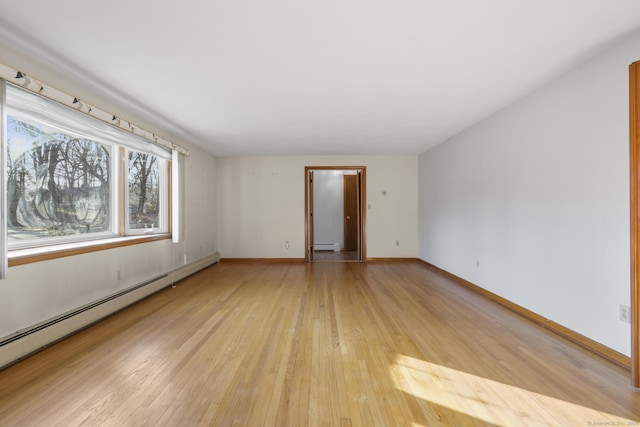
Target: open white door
pixel 310 227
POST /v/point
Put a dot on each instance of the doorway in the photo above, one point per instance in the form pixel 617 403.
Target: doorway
pixel 335 197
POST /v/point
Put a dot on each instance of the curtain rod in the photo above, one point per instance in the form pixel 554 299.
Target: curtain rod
pixel 20 79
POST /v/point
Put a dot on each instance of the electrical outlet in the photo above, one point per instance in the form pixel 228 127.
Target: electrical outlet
pixel 625 313
pixel 118 276
pixel 397 242
pixel 287 245
pixel 477 263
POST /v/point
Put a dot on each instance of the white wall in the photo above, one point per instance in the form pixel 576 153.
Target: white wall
pixel 328 221
pixel 533 202
pixel 39 291
pixel 261 205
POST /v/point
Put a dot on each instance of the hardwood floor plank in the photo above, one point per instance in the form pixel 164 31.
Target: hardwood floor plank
pixel 264 344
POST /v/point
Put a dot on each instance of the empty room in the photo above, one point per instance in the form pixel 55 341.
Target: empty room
pixel 320 213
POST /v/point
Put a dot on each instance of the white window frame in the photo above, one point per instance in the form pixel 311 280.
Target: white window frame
pixel 119 142
pixel 163 197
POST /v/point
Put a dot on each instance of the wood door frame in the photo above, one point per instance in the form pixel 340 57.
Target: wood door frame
pixel 361 208
pixel 634 161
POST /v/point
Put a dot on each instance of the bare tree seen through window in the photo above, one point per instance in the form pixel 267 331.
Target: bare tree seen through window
pixel 144 191
pixel 57 184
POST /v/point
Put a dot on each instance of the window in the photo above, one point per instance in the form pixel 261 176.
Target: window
pixel 147 207
pixel 64 181
pixel 57 184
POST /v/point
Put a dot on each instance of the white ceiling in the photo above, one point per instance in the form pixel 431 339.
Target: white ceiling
pixel 294 77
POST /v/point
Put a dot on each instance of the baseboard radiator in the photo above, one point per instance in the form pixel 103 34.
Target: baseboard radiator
pixel 24 343
pixel 327 247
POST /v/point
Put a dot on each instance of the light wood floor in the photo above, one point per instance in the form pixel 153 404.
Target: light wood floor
pixel 340 344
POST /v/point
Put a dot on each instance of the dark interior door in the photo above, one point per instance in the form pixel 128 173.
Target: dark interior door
pixel 351 217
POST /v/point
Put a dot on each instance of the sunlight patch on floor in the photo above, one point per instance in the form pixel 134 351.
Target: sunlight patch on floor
pixel 490 401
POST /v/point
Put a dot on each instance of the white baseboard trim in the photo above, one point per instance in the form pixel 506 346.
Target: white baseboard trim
pixel 18 346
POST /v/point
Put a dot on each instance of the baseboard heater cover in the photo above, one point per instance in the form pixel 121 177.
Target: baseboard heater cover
pixel 22 344
pixel 327 247
pixel 77 311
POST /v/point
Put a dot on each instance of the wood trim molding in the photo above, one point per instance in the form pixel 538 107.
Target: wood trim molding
pixel 331 168
pixel 634 174
pixel 362 203
pixel 594 346
pixel 95 246
pixel 267 260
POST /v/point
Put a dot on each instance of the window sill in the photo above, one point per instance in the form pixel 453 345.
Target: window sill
pixel 27 256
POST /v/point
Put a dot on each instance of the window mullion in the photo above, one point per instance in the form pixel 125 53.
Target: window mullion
pixel 122 192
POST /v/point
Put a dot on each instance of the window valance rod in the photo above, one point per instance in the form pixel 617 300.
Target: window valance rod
pixel 21 79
